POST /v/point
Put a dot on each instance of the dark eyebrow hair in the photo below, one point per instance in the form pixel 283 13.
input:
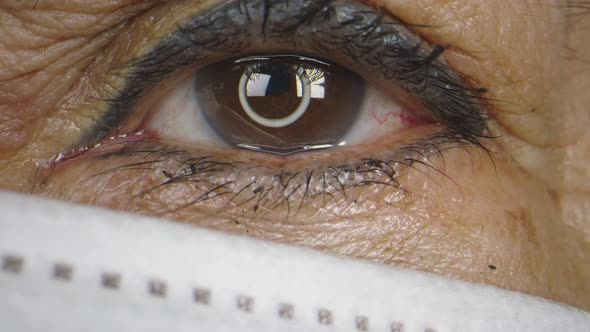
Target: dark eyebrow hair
pixel 367 38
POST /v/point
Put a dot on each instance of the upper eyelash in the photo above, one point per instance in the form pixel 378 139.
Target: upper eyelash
pixel 354 30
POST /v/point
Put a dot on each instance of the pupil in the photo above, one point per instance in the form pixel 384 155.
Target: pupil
pixel 279 104
pixel 280 81
pixel 273 91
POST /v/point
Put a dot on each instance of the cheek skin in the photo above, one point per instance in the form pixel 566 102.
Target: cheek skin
pixel 459 223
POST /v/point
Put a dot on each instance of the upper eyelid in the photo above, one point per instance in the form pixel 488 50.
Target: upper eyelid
pixel 225 29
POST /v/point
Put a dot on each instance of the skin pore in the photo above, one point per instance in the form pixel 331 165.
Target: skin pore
pixel 512 213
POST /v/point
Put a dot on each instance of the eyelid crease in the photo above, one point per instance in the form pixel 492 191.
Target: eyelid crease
pixel 367 38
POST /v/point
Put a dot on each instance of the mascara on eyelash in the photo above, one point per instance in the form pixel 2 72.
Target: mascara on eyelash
pixel 353 32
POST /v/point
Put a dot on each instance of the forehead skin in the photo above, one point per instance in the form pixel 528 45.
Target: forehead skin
pixel 531 55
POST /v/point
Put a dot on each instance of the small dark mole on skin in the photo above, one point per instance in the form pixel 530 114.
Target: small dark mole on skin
pixel 492 267
pixel 554 195
pixel 534 110
pixel 237 222
pixel 255 208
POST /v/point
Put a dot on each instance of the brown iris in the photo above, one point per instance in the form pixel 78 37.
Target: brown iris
pixel 279 104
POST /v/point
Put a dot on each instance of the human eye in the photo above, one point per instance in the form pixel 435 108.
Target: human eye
pixel 277 104
pixel 176 126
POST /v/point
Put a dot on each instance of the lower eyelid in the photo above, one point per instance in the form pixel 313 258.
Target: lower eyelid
pixel 144 172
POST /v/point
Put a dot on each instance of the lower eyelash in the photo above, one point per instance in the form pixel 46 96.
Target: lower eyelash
pixel 251 191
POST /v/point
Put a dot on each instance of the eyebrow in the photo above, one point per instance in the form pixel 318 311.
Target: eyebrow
pixel 366 36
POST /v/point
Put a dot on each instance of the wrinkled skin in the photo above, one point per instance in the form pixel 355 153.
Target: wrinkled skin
pixel 521 207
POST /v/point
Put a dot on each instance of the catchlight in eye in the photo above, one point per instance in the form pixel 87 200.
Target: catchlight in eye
pixel 279 104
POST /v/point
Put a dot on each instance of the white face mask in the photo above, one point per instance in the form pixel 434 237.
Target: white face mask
pixel 72 268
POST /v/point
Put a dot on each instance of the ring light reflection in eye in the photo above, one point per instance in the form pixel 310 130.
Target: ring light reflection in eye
pixel 256 85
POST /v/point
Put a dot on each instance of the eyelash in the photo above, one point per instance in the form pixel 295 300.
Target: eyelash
pixel 419 71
